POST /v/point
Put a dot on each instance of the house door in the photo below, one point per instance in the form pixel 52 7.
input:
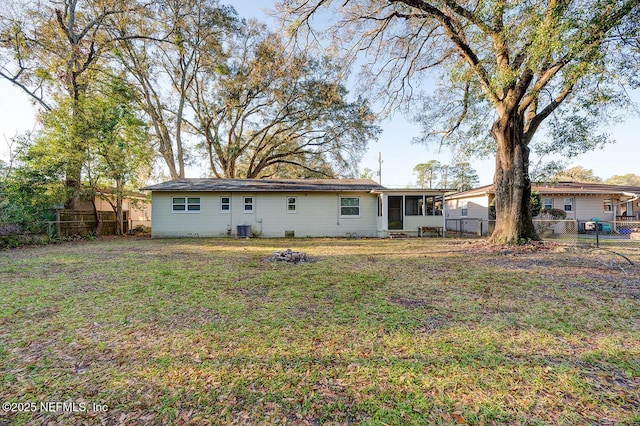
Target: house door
pixel 394 212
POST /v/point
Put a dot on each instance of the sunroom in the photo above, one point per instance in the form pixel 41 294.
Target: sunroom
pixel 411 212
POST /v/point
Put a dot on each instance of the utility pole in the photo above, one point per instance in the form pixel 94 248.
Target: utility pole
pixel 379 168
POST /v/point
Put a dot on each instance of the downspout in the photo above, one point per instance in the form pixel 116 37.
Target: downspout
pixel 338 208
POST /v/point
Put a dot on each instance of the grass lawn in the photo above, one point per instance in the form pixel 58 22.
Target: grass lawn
pixel 420 331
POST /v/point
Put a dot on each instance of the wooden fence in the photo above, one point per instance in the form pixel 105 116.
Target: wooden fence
pixel 80 222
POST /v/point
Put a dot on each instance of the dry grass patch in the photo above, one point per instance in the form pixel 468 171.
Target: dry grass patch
pixel 372 332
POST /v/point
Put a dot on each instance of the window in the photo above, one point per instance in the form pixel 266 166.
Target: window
pixel 225 204
pixel 349 206
pixel 464 208
pixel 185 204
pixel 547 203
pixel 607 205
pixel 413 205
pixel 248 204
pixel 432 207
pixel 291 205
pixel 568 204
pixel 437 207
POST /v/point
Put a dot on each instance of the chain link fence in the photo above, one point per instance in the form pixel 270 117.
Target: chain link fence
pixel 621 236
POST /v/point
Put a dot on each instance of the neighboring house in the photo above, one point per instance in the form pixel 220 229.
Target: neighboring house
pixel 291 207
pixel 136 209
pixel 580 201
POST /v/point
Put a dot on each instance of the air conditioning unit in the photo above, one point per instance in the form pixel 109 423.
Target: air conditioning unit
pixel 590 226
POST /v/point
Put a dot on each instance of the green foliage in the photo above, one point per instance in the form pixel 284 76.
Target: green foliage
pixel 32 188
pixel 367 173
pixel 463 177
pixel 502 71
pixel 628 179
pixel 118 149
pixel 279 110
pixel 553 214
pixel 578 174
pixel 536 203
pixel 546 172
pixel 427 173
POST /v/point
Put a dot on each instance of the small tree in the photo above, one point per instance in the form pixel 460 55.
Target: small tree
pixel 427 173
pixel 118 153
pixel 32 186
pixel 536 203
pixel 578 174
pixel 629 179
pixel 463 176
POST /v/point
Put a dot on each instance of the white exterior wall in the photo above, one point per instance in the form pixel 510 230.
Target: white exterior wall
pixel 477 208
pixel 585 207
pixel 317 215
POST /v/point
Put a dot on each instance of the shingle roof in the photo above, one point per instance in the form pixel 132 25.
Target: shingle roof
pixel 581 188
pixel 265 185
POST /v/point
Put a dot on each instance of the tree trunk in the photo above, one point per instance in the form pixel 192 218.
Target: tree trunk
pixel 512 184
pixel 73 188
pixel 96 215
pixel 119 215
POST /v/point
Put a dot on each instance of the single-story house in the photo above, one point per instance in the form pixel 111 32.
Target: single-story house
pixel 581 202
pixel 292 207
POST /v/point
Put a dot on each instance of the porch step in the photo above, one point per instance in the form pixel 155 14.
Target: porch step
pixel 398 235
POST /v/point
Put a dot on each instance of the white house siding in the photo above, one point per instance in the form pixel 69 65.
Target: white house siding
pixel 585 207
pixel 317 215
pixel 477 208
pixel 477 212
pixel 592 206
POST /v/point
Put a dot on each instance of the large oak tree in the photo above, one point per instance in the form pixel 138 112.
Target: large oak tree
pixel 506 66
pixel 276 110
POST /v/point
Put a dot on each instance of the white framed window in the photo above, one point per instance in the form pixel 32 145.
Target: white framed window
pixel 349 206
pixel 608 205
pixel 547 203
pixel 185 204
pixel 464 208
pixel 292 206
pixel 225 204
pixel 248 204
pixel 568 204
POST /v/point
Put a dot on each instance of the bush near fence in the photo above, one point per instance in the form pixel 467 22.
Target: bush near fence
pixel 14 235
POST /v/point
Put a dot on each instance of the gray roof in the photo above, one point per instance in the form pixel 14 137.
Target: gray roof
pixel 560 188
pixel 265 185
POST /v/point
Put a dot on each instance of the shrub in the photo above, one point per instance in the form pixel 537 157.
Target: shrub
pixel 553 214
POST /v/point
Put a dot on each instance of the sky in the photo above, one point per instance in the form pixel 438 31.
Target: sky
pixel 399 155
